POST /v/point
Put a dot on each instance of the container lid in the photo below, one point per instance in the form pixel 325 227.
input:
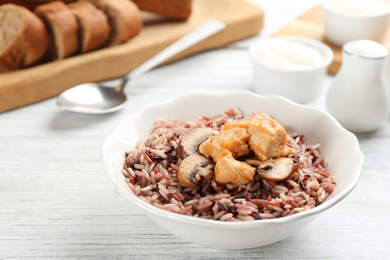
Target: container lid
pixel 365 49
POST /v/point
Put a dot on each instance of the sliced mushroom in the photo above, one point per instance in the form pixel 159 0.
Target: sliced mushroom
pixel 254 161
pixel 193 168
pixel 276 169
pixel 191 140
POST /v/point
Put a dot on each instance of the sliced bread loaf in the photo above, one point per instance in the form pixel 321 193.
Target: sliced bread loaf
pixel 94 28
pixel 175 9
pixel 124 18
pixel 63 26
pixel 24 38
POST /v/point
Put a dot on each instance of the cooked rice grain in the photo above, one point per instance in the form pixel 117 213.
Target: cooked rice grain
pixel 150 171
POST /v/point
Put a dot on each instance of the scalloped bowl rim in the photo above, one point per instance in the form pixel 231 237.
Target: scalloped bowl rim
pixel 229 225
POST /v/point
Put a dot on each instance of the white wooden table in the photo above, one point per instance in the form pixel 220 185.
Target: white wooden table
pixel 56 202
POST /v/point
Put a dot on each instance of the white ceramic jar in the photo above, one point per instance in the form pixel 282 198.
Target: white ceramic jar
pixel 348 20
pixel 359 96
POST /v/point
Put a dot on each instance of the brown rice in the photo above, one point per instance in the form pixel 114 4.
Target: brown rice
pixel 151 168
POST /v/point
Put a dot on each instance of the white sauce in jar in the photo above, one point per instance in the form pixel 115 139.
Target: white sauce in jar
pixel 289 55
pixel 361 6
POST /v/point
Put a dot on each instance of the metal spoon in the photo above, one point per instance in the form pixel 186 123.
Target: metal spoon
pixel 98 98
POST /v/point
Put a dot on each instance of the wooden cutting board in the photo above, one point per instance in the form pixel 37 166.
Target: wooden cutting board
pixel 27 86
pixel 310 25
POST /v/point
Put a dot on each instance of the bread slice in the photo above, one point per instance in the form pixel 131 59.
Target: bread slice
pixel 24 38
pixel 29 4
pixel 63 26
pixel 174 9
pixel 124 18
pixel 93 26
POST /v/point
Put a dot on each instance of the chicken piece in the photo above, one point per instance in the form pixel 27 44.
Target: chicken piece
pixel 241 124
pixel 227 169
pixel 205 147
pixel 268 137
pixel 235 140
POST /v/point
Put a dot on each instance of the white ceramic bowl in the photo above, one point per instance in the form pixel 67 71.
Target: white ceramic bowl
pixel 299 85
pixel 342 26
pixel 341 147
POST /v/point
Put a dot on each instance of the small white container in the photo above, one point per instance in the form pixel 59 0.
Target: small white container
pixel 292 67
pixel 359 96
pixel 348 20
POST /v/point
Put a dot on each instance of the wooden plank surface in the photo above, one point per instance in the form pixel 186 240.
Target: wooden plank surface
pixel 310 25
pixel 23 87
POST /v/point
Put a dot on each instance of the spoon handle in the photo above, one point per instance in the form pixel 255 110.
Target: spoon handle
pixel 203 31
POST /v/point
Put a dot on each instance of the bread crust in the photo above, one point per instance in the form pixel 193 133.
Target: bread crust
pixel 29 45
pixel 174 9
pixel 93 25
pixel 29 4
pixel 63 27
pixel 124 18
